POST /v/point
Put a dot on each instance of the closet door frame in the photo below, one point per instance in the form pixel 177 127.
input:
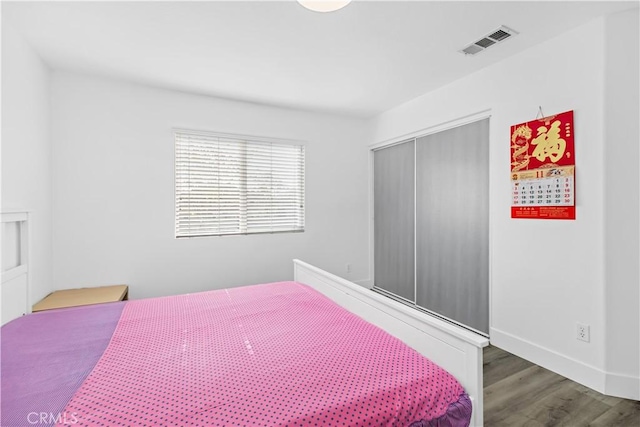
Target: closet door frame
pixel 450 124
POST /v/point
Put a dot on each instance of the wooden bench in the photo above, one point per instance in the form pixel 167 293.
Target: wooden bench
pixel 84 296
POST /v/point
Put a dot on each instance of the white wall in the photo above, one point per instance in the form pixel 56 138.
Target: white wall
pixel 622 139
pixel 26 150
pixel 114 200
pixel 113 191
pixel 545 275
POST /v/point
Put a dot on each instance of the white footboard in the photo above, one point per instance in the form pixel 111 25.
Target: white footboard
pixel 453 348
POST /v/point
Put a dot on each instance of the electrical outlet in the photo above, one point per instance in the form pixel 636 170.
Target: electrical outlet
pixel 582 332
pixel 348 268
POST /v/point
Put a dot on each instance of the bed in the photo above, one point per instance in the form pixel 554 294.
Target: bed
pixel 285 353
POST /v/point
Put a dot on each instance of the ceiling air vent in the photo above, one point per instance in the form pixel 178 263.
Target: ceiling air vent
pixel 494 37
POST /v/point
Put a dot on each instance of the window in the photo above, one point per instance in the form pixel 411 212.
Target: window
pixel 237 185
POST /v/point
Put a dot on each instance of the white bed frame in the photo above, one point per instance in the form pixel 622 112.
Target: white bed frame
pixel 453 348
pixel 15 288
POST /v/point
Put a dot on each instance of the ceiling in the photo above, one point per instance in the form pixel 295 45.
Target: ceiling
pixel 364 59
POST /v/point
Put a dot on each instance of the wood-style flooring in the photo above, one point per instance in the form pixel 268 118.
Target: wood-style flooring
pixel 519 393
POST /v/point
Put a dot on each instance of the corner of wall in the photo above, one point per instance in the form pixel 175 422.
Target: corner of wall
pixel 622 205
pixel 26 149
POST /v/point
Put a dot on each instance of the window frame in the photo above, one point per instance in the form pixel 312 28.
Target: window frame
pixel 240 138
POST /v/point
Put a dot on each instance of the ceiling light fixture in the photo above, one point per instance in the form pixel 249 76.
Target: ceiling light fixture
pixel 324 5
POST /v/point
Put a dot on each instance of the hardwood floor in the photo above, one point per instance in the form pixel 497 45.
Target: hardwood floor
pixel 519 393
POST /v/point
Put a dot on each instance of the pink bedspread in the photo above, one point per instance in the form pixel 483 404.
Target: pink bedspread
pixel 273 354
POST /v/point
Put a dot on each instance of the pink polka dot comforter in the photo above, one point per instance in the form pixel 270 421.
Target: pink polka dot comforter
pixel 277 354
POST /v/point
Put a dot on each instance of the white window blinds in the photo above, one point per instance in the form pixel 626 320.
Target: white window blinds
pixel 231 185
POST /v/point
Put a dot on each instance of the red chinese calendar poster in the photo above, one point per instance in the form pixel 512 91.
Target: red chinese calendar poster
pixel 543 168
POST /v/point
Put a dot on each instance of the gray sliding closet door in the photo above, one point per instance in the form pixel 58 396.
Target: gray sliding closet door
pixel 452 224
pixel 394 216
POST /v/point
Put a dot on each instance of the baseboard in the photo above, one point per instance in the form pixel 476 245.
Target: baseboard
pixel 575 370
pixel 624 386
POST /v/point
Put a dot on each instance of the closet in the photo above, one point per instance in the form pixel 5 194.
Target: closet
pixel 431 223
